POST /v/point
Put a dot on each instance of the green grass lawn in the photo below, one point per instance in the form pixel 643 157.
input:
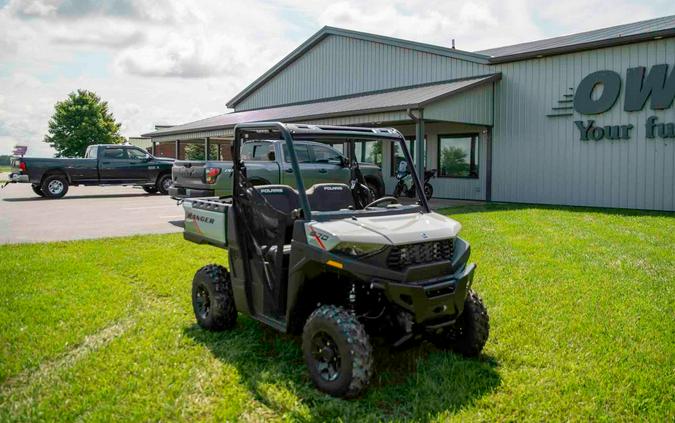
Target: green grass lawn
pixel 582 306
pixel 5 169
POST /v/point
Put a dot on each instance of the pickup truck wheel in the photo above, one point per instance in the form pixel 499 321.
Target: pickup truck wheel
pixel 54 186
pixel 374 189
pixel 212 298
pixel 150 190
pixel 37 190
pixel 164 183
pixel 337 351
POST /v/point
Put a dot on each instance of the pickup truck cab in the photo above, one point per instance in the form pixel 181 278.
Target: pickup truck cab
pixel 267 162
pixel 103 164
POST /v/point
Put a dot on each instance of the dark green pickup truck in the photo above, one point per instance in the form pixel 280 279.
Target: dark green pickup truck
pixel 103 164
pixel 267 163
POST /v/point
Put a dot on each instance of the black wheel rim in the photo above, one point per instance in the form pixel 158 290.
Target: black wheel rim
pixel 203 302
pixel 326 355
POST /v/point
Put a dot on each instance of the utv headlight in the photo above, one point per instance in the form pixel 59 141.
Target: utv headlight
pixel 357 249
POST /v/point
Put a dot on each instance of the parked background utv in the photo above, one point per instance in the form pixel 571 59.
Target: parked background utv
pixel 332 265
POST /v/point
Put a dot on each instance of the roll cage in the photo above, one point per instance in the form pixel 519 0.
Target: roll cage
pixel 318 133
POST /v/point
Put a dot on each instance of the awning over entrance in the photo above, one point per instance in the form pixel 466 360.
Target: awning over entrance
pixel 440 99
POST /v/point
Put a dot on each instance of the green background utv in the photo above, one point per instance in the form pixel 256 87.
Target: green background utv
pixel 332 265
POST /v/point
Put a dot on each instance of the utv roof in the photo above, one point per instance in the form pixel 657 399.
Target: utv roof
pixel 300 131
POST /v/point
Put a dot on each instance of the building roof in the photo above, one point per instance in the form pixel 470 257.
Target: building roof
pixel 380 101
pixel 327 30
pixel 615 35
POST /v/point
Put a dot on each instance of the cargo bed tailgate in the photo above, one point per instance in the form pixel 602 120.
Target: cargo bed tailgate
pixel 189 174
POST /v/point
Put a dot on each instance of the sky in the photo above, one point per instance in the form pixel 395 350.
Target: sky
pixel 175 61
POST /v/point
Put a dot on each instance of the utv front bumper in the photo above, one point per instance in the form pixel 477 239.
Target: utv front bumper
pixel 435 302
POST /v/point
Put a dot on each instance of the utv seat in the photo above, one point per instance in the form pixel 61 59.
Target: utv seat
pixel 330 197
pixel 281 197
pixel 285 199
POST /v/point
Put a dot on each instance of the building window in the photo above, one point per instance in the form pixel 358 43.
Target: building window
pixel 458 156
pixel 369 152
pixel 397 154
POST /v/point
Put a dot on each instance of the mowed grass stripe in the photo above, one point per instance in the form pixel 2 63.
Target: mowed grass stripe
pixel 581 305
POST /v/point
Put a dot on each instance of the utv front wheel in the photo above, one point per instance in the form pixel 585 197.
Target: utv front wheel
pixel 470 333
pixel 337 351
pixel 212 298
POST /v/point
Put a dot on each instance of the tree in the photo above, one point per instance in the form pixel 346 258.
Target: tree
pixel 80 121
pixel 453 162
pixel 196 152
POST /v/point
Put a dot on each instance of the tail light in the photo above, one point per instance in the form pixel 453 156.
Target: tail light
pixel 22 166
pixel 212 174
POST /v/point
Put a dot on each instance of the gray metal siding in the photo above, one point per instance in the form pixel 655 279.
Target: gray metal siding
pixel 340 65
pixel 474 106
pixel 540 159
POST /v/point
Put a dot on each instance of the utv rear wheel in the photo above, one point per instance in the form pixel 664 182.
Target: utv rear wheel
pixel 37 190
pixel 54 186
pixel 337 351
pixel 212 299
pixel 164 183
pixel 470 333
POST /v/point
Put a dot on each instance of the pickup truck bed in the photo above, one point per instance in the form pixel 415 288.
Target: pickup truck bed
pixel 266 163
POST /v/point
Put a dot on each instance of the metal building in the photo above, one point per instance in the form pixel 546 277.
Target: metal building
pixel 584 119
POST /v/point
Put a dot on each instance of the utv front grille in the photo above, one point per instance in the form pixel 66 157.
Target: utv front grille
pixel 402 256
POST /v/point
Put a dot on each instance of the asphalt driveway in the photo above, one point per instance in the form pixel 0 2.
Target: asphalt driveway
pixel 85 212
pixel 96 212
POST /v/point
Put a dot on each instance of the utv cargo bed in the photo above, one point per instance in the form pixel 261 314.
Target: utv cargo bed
pixel 206 220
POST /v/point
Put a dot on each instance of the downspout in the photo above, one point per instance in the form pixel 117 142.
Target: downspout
pixel 419 140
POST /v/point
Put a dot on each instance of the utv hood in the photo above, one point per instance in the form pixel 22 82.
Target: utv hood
pixel 393 230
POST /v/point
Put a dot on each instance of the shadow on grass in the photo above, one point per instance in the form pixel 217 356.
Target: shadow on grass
pixel 417 383
pixel 497 207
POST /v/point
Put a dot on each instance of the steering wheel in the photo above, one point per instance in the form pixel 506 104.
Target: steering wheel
pixel 383 200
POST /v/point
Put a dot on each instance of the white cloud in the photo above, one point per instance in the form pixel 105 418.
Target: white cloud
pixel 172 61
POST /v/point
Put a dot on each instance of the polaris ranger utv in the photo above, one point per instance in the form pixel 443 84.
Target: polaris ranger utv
pixel 332 265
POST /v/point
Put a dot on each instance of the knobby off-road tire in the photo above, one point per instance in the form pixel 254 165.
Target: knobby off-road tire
pixel 330 331
pixel 470 333
pixel 164 183
pixel 38 190
pixel 212 298
pixel 150 190
pixel 54 186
